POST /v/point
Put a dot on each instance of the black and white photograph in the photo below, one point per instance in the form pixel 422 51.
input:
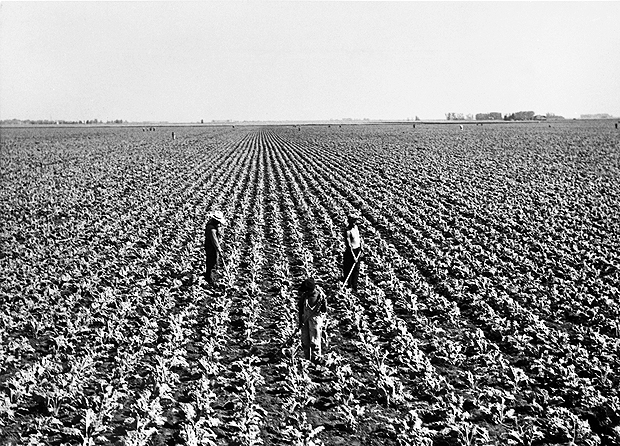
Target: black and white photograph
pixel 309 223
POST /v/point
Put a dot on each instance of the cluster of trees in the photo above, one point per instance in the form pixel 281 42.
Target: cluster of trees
pixel 57 122
pixel 520 116
pixel 451 116
pixel 597 116
pixel 497 116
pixel 529 115
pixel 553 116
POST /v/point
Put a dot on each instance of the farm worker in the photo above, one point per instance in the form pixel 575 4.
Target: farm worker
pixel 352 252
pixel 312 310
pixel 213 249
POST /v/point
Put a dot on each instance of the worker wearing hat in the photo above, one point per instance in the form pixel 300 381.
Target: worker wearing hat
pixel 353 251
pixel 213 249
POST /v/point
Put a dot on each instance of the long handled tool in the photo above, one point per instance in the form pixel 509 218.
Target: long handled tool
pixel 344 284
pixel 290 338
pixel 223 261
pixel 225 267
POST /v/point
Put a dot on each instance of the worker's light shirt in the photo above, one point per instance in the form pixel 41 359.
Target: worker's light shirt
pixel 353 237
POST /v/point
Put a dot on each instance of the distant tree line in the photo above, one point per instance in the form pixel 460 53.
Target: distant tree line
pixel 57 122
pixel 552 116
pixel 497 116
pixel 597 116
pixel 451 116
pixel 529 116
pixel 520 116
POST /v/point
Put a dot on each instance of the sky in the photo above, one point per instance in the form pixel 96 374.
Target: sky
pixel 293 60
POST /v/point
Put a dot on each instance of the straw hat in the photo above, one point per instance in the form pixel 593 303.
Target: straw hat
pixel 217 216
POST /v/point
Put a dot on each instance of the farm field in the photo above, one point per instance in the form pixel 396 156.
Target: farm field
pixel 488 310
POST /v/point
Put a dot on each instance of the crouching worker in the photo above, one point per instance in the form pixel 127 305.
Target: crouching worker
pixel 312 306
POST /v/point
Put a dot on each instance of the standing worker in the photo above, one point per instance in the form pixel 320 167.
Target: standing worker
pixel 352 252
pixel 213 249
pixel 312 310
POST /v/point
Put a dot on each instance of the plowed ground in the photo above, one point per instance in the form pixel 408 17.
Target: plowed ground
pixel 488 309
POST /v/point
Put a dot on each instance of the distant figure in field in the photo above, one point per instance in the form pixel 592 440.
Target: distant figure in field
pixel 213 249
pixel 461 126
pixel 312 312
pixel 616 125
pixel 173 136
pixel 352 251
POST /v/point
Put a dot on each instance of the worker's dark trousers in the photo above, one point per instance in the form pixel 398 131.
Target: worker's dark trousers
pixel 211 263
pixel 312 336
pixel 348 262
